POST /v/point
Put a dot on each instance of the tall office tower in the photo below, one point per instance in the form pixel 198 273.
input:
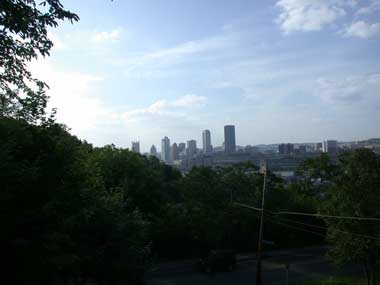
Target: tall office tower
pixel 286 148
pixel 318 147
pixel 174 152
pixel 165 149
pixel 206 137
pixel 191 147
pixel 153 151
pixel 330 146
pixel 136 146
pixel 229 139
pixel 302 149
pixel 181 147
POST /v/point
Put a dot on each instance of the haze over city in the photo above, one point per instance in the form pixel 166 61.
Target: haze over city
pixel 280 71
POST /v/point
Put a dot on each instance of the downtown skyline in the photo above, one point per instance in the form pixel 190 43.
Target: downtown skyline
pixel 280 71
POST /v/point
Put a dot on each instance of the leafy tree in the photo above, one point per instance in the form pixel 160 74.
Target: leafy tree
pixel 23 37
pixel 355 192
pixel 60 225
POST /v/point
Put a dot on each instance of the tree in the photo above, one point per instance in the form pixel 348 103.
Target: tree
pixel 23 37
pixel 355 191
pixel 60 224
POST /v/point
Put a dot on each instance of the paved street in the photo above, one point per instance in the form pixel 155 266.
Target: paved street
pixel 304 265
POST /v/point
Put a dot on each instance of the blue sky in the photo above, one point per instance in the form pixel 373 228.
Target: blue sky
pixel 280 71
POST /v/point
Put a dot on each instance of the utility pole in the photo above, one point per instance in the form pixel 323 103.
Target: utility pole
pixel 263 169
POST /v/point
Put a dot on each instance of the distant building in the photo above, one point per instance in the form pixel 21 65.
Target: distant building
pixel 229 139
pixel 181 147
pixel 251 149
pixel 330 147
pixel 302 149
pixel 153 151
pixel 318 147
pixel 285 148
pixel 165 149
pixel 174 152
pixel 191 147
pixel 206 138
pixel 136 146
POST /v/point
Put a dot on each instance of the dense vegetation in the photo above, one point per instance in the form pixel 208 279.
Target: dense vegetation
pixel 71 212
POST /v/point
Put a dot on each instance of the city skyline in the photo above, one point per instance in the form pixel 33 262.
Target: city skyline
pixel 193 142
pixel 281 71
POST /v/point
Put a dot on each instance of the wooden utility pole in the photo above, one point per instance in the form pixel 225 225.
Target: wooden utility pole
pixel 260 240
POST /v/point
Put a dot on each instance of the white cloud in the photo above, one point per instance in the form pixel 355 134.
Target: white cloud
pixel 362 29
pixel 176 108
pixel 150 64
pixel 309 15
pixel 350 89
pixel 107 36
pixel 189 101
pixel 369 9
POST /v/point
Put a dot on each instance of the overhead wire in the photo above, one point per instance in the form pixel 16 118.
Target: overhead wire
pixel 310 225
pixel 326 228
pixel 326 216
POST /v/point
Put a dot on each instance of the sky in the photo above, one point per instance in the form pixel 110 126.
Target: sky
pixel 280 71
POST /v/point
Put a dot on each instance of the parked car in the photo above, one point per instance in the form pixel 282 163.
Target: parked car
pixel 218 260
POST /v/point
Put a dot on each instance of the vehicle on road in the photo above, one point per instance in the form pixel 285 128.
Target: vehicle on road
pixel 218 260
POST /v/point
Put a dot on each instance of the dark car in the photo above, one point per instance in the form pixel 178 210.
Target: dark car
pixel 218 260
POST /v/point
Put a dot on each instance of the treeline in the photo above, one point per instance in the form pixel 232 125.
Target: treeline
pixel 72 213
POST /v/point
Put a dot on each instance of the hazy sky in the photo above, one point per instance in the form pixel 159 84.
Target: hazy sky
pixel 280 71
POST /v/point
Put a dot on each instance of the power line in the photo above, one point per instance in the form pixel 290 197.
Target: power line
pixel 316 215
pixel 325 228
pixel 297 228
pixel 326 216
pixel 304 224
pixel 247 206
pixel 310 215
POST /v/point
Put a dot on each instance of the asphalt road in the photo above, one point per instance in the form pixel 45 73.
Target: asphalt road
pixel 305 264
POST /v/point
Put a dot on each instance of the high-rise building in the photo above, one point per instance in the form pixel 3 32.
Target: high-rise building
pixel 153 151
pixel 330 147
pixel 191 147
pixel 318 147
pixel 229 139
pixel 285 148
pixel 165 149
pixel 302 149
pixel 174 152
pixel 136 146
pixel 206 138
pixel 181 147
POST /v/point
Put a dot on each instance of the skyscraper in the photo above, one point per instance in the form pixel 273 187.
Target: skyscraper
pixel 191 147
pixel 286 148
pixel 174 151
pixel 165 149
pixel 206 137
pixel 229 139
pixel 330 146
pixel 181 147
pixel 136 146
pixel 153 151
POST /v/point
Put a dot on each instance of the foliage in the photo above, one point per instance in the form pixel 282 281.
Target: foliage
pixel 23 37
pixel 355 192
pixel 72 213
pixel 59 224
pixel 350 188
